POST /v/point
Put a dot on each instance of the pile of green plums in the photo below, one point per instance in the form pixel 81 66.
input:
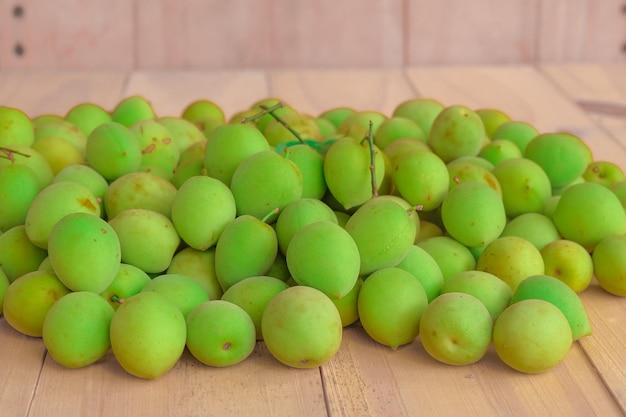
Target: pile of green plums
pixel 150 235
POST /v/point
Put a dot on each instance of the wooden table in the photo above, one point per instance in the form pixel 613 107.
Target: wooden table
pixel 364 379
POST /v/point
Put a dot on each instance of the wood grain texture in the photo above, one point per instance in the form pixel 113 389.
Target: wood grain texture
pixel 20 373
pixel 460 32
pixel 68 34
pixel 598 85
pixel 213 34
pixel 171 92
pixel 258 386
pixel 51 92
pixel 315 91
pixel 368 379
pixel 581 30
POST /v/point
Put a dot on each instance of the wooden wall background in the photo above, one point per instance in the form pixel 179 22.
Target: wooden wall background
pixel 218 34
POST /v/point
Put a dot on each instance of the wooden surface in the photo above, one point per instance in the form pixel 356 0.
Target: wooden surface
pixel 260 34
pixel 364 378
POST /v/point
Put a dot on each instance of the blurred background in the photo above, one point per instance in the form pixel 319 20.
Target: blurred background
pixel 255 34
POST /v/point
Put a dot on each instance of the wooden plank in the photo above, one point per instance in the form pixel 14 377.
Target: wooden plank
pixel 369 379
pixel 314 91
pixel 581 30
pixel 22 359
pixel 456 32
pixel 608 347
pixel 52 92
pixel 330 33
pixel 171 92
pixel 202 34
pixel 258 386
pixel 252 34
pixel 68 34
pixel 523 93
pixel 598 88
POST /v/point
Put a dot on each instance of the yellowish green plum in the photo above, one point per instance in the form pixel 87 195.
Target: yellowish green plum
pixel 158 149
pixel 148 239
pixel 140 190
pixel 422 111
pixel 390 304
pixel 87 117
pixel 348 306
pixel 563 156
pixel 302 327
pixel 451 256
pixel 113 150
pixel 603 172
pixel 421 178
pixel 424 267
pixel 383 231
pixel 18 255
pixel 492 119
pixel 525 186
pixel 131 110
pixel 532 336
pixel 201 209
pixel 229 145
pixel 455 329
pixel 555 291
pixel 311 166
pixel 493 292
pixel 473 213
pixel 26 155
pixel 29 298
pixel 148 335
pixel 324 256
pixel 76 329
pixel 264 181
pixel 499 150
pixel 128 281
pixel 84 252
pixel 252 295
pixel 518 132
pixel 276 132
pixel 457 131
pixel 16 128
pixel 512 259
pixel 180 290
pixel 537 228
pixel 247 247
pixel 298 214
pixel 336 115
pixel 4 284
pixel 199 265
pixel 183 132
pixel 55 202
pixel 58 152
pixel 462 170
pixel 89 177
pixel 569 262
pixel 347 169
pixel 609 264
pixel 202 108
pixel 397 128
pixel 220 333
pixel 18 188
pixel 588 212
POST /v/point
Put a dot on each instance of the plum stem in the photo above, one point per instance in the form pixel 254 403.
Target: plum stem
pixel 265 218
pixel 264 110
pixel 117 299
pixel 370 140
pixel 9 154
pixel 283 122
